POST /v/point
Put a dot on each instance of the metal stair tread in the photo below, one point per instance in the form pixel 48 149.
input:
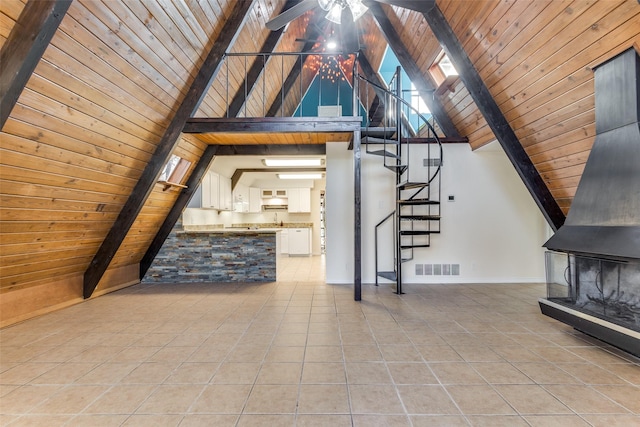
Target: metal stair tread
pixel 389 275
pixel 418 202
pixel 415 232
pixel 410 185
pixel 420 217
pixel 377 131
pixel 380 141
pixel 383 153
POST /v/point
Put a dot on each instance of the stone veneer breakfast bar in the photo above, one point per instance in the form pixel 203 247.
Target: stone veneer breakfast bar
pixel 216 255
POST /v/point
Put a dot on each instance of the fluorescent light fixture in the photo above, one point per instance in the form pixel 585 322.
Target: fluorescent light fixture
pixel 292 162
pixel 300 175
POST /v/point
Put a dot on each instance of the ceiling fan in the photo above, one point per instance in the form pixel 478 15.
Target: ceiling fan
pixel 342 12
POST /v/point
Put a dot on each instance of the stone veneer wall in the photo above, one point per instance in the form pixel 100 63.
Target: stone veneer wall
pixel 188 257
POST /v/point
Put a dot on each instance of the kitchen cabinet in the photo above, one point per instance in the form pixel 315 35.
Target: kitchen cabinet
pixel 268 193
pixel 299 241
pixel 255 202
pixel 241 198
pixel 211 190
pixel 299 200
pixel 226 198
pixel 284 241
pixel 216 192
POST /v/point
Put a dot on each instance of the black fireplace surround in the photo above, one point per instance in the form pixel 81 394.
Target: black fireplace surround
pixel 593 271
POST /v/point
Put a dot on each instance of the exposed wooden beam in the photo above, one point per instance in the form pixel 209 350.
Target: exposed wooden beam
pixel 494 117
pixel 272 150
pixel 197 91
pixel 24 47
pixel 423 85
pixel 417 5
pixel 237 174
pixel 257 68
pixel 181 202
pixel 273 124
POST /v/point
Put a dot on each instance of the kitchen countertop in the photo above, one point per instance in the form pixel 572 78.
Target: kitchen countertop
pixel 244 228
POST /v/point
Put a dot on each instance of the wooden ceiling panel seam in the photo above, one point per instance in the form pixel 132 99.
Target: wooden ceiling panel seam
pixel 555 82
pixel 17 171
pixel 129 46
pixel 86 106
pixel 99 67
pixel 98 82
pixel 56 111
pixel 99 145
pixel 571 147
pixel 61 78
pixel 549 101
pixel 149 76
pixel 585 105
pixel 62 163
pixel 518 63
pixel 584 122
pixel 183 59
pixel 539 14
pixel 45 136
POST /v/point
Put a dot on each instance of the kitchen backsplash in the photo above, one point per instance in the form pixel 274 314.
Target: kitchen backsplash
pixel 194 216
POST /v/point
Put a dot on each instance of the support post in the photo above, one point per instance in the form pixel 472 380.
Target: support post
pixel 357 193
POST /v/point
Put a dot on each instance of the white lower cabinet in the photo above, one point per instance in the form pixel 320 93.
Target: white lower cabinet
pixel 284 241
pixel 299 241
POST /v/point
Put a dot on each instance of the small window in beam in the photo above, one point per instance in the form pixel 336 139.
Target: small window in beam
pixel 174 171
pixel 443 73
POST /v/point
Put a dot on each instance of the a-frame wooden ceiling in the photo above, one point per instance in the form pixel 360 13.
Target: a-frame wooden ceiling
pixel 112 80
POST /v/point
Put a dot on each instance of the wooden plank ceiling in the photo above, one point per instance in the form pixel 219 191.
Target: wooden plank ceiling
pixel 115 72
pixel 536 58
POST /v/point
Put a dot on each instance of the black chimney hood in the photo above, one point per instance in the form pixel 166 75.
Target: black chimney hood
pixel 593 268
pixel 604 218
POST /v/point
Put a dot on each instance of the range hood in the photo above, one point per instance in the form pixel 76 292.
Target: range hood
pixel 593 277
pixel 604 218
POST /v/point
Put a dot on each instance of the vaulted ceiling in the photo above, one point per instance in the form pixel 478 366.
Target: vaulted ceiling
pixel 118 76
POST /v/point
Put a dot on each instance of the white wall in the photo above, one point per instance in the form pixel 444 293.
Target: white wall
pixel 339 213
pixel 493 229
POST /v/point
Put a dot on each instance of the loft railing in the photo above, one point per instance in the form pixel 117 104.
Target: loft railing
pixel 275 84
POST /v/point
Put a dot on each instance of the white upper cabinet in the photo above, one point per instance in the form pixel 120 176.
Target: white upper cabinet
pixel 299 200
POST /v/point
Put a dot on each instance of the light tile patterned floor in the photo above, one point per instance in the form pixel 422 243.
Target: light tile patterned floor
pixel 301 352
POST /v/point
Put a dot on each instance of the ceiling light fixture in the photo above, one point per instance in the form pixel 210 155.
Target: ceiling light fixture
pixel 292 162
pixel 300 175
pixel 334 7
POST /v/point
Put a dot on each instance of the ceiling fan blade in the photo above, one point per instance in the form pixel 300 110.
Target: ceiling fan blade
pixel 289 15
pixel 349 32
pixel 418 5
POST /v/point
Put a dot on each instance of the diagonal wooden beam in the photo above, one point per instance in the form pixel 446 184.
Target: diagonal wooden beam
pixel 257 68
pixel 494 117
pixel 24 47
pixel 423 85
pixel 417 5
pixel 197 91
pixel 181 202
pixel 296 70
